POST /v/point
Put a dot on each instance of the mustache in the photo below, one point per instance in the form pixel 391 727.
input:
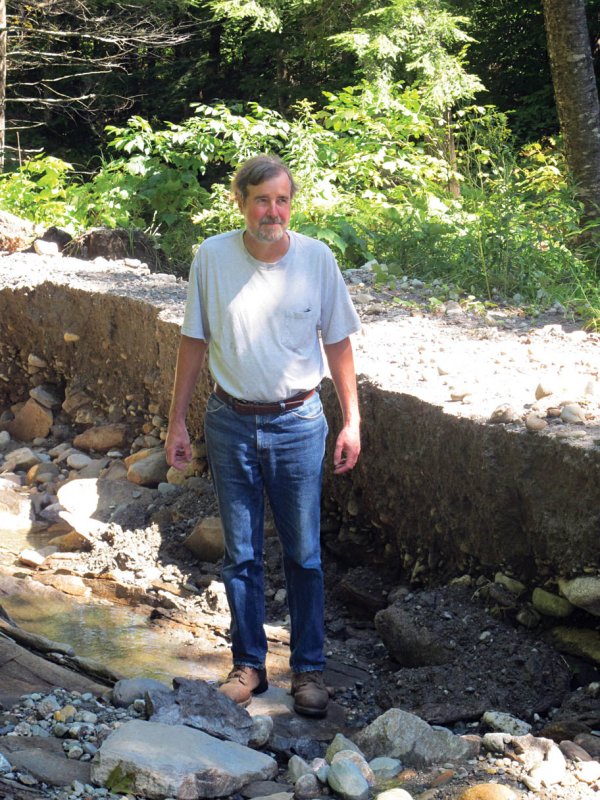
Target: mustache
pixel 272 221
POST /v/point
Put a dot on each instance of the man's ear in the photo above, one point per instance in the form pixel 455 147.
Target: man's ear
pixel 239 199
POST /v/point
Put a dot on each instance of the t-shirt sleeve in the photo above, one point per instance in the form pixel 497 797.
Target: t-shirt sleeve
pixel 338 315
pixel 193 319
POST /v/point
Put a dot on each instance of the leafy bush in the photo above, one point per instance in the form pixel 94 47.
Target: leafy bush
pixel 376 182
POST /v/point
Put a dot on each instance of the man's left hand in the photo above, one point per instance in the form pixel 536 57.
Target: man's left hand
pixel 347 450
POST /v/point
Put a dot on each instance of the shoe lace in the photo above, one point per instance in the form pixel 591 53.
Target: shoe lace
pixel 240 674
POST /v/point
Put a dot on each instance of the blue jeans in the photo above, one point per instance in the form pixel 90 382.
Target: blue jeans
pixel 282 455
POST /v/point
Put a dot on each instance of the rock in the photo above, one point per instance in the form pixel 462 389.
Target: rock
pixel 42 473
pixel 409 644
pixel 346 780
pixel 262 728
pixel 588 772
pixel 384 768
pixel 267 789
pixel 46 396
pixel 149 470
pixel 398 734
pixel 296 768
pixel 503 414
pixel 16 512
pixel 356 758
pixel 199 705
pixel 590 743
pixel 307 787
pixel 514 586
pixel 206 540
pixel 32 420
pixel 339 743
pixel 573 414
pixel 4 440
pixel 125 691
pixel 102 438
pixel 394 794
pixel 583 592
pixel 79 497
pixel 22 458
pixel 488 791
pixel 505 723
pixel 551 605
pixel 78 460
pixel 44 759
pixel 574 752
pixel 582 642
pixel 69 584
pixel 534 423
pixel 31 558
pixel 158 761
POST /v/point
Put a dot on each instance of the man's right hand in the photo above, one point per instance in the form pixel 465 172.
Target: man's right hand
pixel 178 447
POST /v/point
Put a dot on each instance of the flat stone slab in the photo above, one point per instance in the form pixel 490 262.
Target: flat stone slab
pixel 157 761
pixel 45 759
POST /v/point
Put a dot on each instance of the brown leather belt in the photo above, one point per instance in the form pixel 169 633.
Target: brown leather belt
pixel 246 407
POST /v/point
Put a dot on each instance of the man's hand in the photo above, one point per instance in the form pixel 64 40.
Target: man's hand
pixel 178 447
pixel 347 449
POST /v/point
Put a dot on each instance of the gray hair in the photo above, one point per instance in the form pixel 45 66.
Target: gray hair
pixel 259 169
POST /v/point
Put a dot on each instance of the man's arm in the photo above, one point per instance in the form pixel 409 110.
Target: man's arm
pixel 341 366
pixel 190 359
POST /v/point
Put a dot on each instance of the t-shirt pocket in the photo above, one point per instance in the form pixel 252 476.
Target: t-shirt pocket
pixel 299 329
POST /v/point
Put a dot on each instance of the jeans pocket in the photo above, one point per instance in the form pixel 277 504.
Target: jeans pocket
pixel 215 405
pixel 311 409
pixel 299 329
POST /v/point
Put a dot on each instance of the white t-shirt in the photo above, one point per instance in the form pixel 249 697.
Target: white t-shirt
pixel 262 321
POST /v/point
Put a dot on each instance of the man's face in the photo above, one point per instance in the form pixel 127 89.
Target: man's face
pixel 267 209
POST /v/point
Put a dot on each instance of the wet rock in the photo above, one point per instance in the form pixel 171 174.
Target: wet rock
pixel 398 734
pixel 176 761
pixel 206 540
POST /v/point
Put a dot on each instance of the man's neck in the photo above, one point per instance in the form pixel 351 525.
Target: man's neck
pixel 268 252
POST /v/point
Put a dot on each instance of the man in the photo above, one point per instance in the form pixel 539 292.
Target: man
pixel 257 299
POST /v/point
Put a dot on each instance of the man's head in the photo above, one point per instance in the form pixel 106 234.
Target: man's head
pixel 264 188
pixel 257 170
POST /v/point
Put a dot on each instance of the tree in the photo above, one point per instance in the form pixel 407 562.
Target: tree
pixel 62 57
pixel 576 96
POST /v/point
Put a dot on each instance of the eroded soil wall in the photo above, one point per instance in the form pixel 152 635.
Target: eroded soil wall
pixel 433 494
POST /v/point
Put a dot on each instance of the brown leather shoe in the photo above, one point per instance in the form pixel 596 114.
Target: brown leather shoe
pixel 243 682
pixel 310 694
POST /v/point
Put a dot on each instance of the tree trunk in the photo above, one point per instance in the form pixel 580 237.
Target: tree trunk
pixel 3 48
pixel 576 96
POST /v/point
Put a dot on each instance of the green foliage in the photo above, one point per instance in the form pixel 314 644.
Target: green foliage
pixel 374 186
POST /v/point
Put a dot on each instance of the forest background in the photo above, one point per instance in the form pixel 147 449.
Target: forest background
pixel 427 136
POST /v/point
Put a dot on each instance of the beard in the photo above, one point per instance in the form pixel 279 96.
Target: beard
pixel 272 230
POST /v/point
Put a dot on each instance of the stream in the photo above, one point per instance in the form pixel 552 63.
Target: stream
pixel 117 636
